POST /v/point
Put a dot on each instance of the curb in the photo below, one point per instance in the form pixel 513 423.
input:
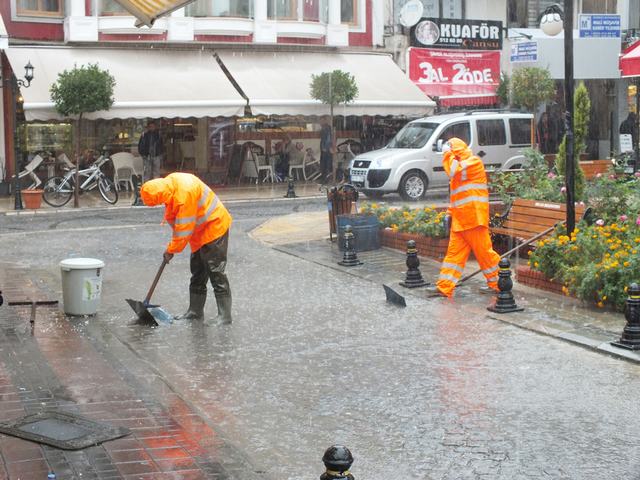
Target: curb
pixel 54 211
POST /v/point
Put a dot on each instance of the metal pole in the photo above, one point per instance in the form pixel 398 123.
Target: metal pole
pixel 16 146
pixel 636 128
pixel 570 183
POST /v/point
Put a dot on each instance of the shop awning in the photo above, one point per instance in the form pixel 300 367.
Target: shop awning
pixel 149 83
pixel 279 83
pixel 147 11
pixel 456 77
pixel 630 61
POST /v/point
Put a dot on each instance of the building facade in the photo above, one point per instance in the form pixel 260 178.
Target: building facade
pixel 215 75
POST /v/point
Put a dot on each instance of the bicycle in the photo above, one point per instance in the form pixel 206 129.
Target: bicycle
pixel 59 190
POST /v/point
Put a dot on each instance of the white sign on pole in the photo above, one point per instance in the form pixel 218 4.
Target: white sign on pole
pixel 524 52
pixel 626 143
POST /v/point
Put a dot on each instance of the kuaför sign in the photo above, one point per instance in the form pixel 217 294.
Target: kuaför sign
pixel 457 33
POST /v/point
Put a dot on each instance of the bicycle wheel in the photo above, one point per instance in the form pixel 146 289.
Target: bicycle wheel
pixel 57 191
pixel 108 190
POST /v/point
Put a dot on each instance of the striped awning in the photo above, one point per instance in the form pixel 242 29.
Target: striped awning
pixel 630 61
pixel 147 11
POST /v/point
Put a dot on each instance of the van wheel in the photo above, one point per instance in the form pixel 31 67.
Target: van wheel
pixel 373 194
pixel 413 186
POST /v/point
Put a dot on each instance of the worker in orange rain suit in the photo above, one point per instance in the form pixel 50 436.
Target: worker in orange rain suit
pixel 198 218
pixel 469 210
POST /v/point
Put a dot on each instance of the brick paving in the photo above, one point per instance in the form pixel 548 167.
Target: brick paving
pixel 54 364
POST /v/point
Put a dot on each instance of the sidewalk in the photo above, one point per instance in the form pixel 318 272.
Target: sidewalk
pixel 233 194
pixel 46 364
pixel 557 316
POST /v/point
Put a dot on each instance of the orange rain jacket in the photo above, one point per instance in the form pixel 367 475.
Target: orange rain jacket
pixel 195 213
pixel 469 194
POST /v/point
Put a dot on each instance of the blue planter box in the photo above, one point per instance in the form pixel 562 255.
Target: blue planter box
pixel 366 231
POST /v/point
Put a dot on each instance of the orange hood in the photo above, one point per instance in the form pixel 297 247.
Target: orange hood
pixel 459 149
pixel 156 192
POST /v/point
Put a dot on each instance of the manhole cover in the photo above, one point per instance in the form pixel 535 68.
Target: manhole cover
pixel 62 430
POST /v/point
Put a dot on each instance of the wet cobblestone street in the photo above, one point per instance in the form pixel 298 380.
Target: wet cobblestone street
pixel 437 390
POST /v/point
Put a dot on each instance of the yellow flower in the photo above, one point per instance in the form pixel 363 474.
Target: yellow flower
pixel 536 264
pixel 600 304
pixel 626 264
pixel 565 290
pixel 604 298
pixel 374 205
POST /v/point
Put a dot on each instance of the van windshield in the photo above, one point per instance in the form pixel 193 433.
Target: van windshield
pixel 413 135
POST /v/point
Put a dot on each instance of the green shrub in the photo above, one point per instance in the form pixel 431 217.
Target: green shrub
pixel 536 182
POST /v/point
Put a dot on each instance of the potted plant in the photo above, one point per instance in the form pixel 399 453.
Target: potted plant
pixel 32 199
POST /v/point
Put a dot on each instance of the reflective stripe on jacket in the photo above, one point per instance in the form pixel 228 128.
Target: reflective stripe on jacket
pixel 469 194
pixel 194 211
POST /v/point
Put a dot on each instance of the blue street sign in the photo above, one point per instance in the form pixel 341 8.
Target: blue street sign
pixel 524 52
pixel 598 26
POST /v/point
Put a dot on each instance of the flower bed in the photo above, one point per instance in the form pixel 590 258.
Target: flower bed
pixel 425 226
pixel 532 278
pixel 427 246
pixel 596 263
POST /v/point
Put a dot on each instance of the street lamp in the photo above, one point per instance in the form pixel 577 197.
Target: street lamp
pixel 552 22
pixel 15 84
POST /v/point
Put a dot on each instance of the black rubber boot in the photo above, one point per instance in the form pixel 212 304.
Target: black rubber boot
pixel 196 307
pixel 224 310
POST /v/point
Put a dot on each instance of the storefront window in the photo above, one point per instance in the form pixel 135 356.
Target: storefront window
pixel 348 13
pixel 220 8
pixel 52 138
pixel 314 10
pixel 598 6
pixel 525 13
pixel 40 8
pixel 282 9
pixel 517 13
pixel 111 7
pixel 452 9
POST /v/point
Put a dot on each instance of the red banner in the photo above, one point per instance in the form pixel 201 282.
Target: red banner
pixel 456 77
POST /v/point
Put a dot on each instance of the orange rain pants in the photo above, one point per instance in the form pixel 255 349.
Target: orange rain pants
pixel 461 244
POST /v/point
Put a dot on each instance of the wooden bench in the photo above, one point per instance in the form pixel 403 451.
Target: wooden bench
pixel 592 168
pixel 527 218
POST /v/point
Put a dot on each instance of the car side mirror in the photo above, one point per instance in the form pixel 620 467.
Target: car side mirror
pixel 437 147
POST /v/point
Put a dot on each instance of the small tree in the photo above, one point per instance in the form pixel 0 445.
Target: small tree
pixel 531 86
pixel 581 111
pixel 333 88
pixel 83 89
pixel 503 89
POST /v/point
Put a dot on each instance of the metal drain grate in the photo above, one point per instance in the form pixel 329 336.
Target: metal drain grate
pixel 62 430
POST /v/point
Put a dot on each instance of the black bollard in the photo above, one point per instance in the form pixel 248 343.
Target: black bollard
pixel 505 303
pixel 1 298
pixel 630 338
pixel 350 257
pixel 413 278
pixel 337 460
pixel 291 193
pixel 137 183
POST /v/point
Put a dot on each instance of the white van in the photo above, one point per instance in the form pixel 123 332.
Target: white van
pixel 412 161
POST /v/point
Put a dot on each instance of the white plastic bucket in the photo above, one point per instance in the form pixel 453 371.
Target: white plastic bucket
pixel 81 285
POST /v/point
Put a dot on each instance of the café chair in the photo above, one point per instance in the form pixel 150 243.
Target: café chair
pixel 30 170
